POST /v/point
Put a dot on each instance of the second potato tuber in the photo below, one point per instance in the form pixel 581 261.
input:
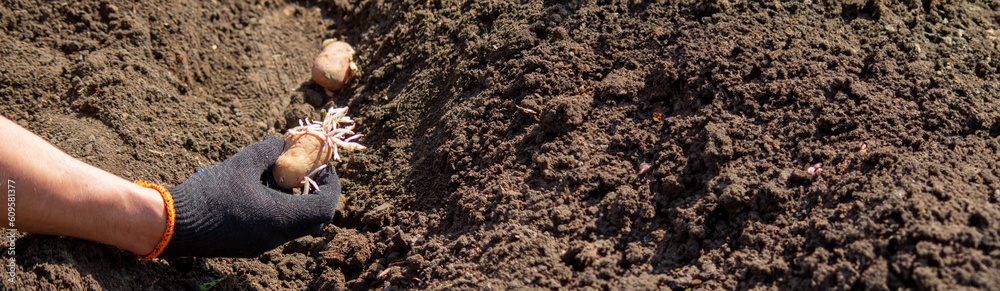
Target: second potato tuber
pixel 334 66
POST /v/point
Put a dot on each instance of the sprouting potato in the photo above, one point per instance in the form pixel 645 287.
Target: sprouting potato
pixel 303 153
pixel 334 66
pixel 309 146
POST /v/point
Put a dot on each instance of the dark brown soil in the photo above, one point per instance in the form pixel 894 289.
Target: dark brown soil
pixel 547 145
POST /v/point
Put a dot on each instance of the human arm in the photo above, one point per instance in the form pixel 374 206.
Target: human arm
pixel 57 194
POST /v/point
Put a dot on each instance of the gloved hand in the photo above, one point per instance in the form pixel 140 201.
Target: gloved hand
pixel 228 211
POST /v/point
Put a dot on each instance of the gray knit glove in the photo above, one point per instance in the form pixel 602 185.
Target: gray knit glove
pixel 228 210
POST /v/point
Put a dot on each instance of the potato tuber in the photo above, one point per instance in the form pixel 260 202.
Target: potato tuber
pixel 334 66
pixel 309 146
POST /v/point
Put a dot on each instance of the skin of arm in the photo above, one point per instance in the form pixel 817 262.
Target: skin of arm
pixel 57 194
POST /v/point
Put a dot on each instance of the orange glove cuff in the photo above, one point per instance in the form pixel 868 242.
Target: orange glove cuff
pixel 168 202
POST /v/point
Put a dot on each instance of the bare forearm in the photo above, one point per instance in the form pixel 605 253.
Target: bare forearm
pixel 60 195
